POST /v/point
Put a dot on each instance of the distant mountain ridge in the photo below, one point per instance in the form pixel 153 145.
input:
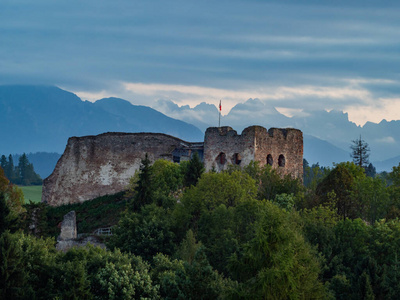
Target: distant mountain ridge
pixel 42 118
pixel 327 135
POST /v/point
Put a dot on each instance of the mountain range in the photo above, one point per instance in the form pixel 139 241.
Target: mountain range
pixel 327 135
pixel 42 118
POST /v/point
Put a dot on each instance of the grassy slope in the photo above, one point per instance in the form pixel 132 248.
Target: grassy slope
pixel 33 193
pixel 101 212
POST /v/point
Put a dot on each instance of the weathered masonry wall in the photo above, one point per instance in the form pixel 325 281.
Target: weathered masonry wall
pixel 93 166
pixel 281 148
pixel 223 146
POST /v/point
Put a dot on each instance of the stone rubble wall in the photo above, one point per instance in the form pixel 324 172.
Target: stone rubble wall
pixel 94 166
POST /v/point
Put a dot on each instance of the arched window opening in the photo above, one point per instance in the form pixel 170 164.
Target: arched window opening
pixel 281 161
pixel 237 158
pixel 270 160
pixel 221 158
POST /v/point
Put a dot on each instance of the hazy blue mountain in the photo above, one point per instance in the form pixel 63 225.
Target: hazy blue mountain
pixel 323 152
pixel 41 118
pixel 254 112
pixel 387 164
pixel 333 127
pixel 145 119
pixel 383 139
pixel 202 116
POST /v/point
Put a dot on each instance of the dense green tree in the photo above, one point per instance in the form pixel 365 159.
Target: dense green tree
pixel 3 162
pixel 26 173
pixel 370 171
pixel 10 171
pixel 360 152
pixel 4 213
pixel 370 198
pixel 212 190
pixel 13 277
pixel 194 170
pixel 145 232
pixel 23 174
pixel 144 186
pixel 190 280
pixel 277 263
pixel 314 175
pixel 167 183
pixel 340 182
pixel 14 201
pixel 272 183
pixel 188 248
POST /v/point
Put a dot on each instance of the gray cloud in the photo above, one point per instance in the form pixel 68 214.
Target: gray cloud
pixel 93 46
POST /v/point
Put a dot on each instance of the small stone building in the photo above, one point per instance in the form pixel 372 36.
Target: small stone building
pixel 92 166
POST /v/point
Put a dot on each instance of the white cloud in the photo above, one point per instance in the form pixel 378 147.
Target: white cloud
pixel 387 140
pixel 347 94
pixel 375 111
pixel 285 95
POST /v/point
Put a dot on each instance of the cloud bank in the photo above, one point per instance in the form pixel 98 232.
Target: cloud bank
pixel 297 56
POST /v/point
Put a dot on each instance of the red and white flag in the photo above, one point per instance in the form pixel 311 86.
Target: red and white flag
pixel 220 107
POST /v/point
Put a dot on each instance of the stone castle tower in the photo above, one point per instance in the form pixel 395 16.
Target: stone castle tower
pixel 92 166
pixel 280 148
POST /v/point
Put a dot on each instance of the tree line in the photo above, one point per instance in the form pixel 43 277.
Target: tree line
pixel 245 233
pixel 21 174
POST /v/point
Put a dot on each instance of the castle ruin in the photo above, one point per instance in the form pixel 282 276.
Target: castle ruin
pixel 93 166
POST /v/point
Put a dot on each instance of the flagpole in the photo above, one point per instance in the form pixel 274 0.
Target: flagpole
pixel 219 120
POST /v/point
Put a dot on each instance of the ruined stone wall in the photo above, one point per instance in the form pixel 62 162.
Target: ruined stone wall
pixel 284 147
pixel 277 143
pixel 224 141
pixel 93 166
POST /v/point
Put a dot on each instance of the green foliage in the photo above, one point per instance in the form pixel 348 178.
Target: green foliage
pixel 14 278
pixel 144 233
pixel 360 152
pixel 395 175
pixel 11 199
pixel 217 239
pixel 188 248
pixel 23 174
pixel 160 183
pixel 104 211
pixel 272 184
pixel 313 175
pixel 285 201
pixel 183 280
pixel 144 188
pixel 4 214
pixel 370 198
pixel 33 269
pixel 339 180
pixel 167 182
pixel 194 170
pixel 277 263
pixel 214 189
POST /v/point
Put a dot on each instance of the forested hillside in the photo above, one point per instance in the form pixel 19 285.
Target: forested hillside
pixel 241 234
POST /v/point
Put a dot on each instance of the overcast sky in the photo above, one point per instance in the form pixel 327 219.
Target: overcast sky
pixel 297 55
